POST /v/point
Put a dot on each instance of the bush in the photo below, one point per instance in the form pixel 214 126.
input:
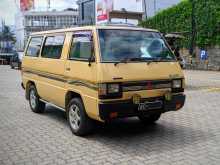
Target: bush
pixel 179 19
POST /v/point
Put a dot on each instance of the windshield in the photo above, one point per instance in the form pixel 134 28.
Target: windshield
pixel 119 45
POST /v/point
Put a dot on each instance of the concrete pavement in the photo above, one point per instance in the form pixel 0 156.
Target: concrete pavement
pixel 190 136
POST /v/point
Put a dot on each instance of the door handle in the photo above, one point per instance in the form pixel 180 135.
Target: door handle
pixel 68 69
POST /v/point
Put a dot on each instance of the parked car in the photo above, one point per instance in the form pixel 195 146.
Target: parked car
pixel 16 60
pixel 102 73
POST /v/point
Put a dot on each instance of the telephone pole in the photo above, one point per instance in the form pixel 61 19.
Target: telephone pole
pixel 48 5
pixel 155 7
pixel 193 30
pixel 144 9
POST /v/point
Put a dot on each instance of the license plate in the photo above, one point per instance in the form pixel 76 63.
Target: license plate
pixel 147 105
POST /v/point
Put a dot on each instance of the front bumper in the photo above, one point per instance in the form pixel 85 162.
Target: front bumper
pixel 120 109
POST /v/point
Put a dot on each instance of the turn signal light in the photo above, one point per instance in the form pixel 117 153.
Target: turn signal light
pixel 178 106
pixel 113 115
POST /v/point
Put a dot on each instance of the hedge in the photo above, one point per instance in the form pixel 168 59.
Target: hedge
pixel 178 19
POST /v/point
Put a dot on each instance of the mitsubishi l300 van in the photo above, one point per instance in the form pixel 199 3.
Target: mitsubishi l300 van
pixel 102 73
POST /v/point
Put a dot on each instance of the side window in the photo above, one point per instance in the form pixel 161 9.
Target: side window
pixel 53 47
pixel 82 45
pixel 34 46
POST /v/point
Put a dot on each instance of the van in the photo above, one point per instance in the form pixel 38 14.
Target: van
pixel 16 59
pixel 102 73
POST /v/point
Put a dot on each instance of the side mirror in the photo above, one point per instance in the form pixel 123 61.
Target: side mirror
pixel 92 57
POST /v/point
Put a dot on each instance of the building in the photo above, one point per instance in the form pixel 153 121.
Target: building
pixel 86 11
pixel 121 10
pixel 97 11
pixel 35 21
pixel 154 6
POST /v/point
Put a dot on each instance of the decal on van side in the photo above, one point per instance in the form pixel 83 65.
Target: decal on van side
pixel 62 79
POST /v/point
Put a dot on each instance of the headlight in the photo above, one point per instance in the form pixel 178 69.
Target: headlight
pixel 177 84
pixel 109 91
pixel 102 89
pixel 113 88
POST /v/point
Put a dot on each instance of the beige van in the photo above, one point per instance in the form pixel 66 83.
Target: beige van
pixel 102 73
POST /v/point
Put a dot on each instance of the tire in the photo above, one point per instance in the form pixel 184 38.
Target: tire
pixel 79 122
pixel 151 119
pixel 36 105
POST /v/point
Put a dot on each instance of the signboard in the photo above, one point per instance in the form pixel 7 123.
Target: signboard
pixel 26 5
pixel 129 5
pixel 203 55
pixel 103 7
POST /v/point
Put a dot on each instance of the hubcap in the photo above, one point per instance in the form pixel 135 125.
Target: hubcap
pixel 74 117
pixel 33 99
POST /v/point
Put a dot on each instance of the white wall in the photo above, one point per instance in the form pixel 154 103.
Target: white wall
pixel 19 31
pixel 129 5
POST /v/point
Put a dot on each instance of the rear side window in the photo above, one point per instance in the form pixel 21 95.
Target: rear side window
pixel 53 47
pixel 81 48
pixel 34 46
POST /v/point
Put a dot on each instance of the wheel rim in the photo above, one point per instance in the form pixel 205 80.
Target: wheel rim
pixel 74 117
pixel 33 99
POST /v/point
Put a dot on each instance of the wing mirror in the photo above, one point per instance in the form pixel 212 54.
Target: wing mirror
pixel 92 57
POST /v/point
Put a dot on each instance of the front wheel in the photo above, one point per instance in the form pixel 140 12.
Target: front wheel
pixel 150 119
pixel 80 123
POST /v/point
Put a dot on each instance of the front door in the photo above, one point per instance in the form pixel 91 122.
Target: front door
pixel 82 75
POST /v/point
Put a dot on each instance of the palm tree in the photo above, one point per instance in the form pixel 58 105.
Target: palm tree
pixel 6 36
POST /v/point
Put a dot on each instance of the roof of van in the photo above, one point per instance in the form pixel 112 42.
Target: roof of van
pixel 94 27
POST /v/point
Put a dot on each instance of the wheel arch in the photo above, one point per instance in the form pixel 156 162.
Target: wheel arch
pixel 70 95
pixel 27 86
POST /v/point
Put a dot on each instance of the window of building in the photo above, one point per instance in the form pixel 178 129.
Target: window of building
pixel 34 47
pixel 53 47
pixel 82 46
pixel 88 8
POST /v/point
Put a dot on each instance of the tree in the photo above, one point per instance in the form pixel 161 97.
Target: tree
pixel 6 34
pixel 7 39
pixel 200 18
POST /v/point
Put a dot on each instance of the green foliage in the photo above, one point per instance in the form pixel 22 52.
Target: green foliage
pixel 179 19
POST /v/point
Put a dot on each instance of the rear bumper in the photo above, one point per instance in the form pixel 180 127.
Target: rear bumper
pixel 120 109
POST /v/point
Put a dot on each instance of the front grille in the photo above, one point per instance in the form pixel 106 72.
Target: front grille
pixel 146 85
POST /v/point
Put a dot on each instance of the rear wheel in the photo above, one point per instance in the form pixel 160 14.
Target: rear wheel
pixel 149 119
pixel 36 105
pixel 80 123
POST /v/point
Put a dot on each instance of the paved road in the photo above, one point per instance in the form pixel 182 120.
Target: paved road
pixel 190 136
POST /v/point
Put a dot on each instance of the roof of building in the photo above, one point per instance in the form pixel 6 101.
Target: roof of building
pixel 52 13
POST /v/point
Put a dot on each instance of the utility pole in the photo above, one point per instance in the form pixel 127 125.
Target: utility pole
pixel 155 7
pixel 193 30
pixel 144 9
pixel 48 5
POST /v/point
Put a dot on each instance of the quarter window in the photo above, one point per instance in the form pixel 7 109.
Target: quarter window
pixel 81 47
pixel 34 47
pixel 53 47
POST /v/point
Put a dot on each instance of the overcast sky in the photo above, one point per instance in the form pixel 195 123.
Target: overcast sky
pixel 8 8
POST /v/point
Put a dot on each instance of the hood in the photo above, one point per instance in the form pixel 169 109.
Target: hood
pixel 123 72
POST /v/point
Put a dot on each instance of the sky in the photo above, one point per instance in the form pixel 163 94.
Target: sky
pixel 8 8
